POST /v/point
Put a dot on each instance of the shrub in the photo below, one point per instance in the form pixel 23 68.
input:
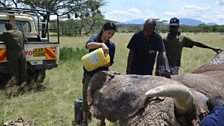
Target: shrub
pixel 69 53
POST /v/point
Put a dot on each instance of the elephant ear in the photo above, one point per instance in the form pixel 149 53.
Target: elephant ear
pixel 97 82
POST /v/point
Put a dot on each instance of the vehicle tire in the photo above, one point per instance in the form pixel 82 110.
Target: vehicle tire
pixel 35 75
pixel 4 78
pixel 40 75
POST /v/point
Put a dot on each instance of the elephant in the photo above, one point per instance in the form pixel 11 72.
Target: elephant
pixel 137 100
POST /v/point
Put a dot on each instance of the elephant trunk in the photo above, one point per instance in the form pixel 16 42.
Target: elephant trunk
pixel 182 95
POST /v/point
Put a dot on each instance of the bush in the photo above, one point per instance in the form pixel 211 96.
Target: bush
pixel 68 53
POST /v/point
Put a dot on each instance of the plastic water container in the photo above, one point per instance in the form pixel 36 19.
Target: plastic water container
pixel 95 59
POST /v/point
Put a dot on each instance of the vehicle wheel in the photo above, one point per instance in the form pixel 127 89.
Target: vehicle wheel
pixel 4 78
pixel 40 75
pixel 35 75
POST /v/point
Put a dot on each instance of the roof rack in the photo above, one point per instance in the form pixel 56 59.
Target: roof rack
pixel 27 11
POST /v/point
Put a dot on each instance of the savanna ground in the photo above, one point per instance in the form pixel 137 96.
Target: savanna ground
pixel 54 105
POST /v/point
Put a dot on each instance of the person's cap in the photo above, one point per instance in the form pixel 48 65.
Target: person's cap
pixel 174 21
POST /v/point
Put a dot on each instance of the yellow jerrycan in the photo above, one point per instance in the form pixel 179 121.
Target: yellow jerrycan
pixel 95 59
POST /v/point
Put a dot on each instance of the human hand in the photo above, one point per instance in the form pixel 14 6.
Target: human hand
pixel 167 75
pixel 218 50
pixel 105 48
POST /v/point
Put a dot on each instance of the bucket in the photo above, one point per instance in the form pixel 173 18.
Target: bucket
pixel 78 113
pixel 95 59
pixel 78 110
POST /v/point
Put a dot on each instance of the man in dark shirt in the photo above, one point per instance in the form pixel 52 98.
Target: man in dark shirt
pixel 216 116
pixel 144 46
pixel 174 43
pixel 14 41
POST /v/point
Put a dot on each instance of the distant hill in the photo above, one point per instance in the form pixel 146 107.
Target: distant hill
pixel 211 24
pixel 183 21
pixel 192 22
pixel 135 21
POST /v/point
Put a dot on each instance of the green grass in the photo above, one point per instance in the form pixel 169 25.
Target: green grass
pixel 54 105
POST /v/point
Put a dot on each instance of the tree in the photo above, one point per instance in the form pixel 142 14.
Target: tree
pixel 8 3
pixel 86 11
pixel 89 15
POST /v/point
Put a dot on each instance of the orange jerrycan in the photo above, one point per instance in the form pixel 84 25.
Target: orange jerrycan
pixel 95 59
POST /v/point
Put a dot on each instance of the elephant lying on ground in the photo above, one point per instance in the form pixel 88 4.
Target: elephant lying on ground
pixel 166 103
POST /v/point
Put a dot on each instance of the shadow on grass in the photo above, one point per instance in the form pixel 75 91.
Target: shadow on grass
pixel 12 90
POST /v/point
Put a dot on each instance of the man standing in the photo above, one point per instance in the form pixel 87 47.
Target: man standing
pixel 174 43
pixel 144 46
pixel 14 41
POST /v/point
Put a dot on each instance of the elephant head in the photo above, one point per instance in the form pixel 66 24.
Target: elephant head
pixel 167 102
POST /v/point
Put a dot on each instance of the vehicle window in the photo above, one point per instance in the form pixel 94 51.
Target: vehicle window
pixel 2 25
pixel 23 26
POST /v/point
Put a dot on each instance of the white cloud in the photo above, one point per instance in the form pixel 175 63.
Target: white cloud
pixel 169 14
pixel 220 2
pixel 129 14
pixel 194 8
pixel 205 12
pixel 134 11
pixel 123 15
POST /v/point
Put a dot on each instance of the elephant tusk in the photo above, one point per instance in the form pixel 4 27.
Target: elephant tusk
pixel 182 95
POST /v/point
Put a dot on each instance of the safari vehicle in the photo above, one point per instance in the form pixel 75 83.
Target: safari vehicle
pixel 42 39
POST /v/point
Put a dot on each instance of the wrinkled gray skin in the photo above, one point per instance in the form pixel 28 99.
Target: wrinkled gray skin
pixel 122 97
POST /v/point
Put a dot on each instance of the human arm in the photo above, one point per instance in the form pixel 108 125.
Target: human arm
pixel 131 46
pixel 0 37
pixel 129 61
pixel 94 45
pixel 3 36
pixel 111 46
pixel 162 60
pixel 198 44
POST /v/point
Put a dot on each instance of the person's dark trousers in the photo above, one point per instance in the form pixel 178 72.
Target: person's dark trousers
pixel 17 65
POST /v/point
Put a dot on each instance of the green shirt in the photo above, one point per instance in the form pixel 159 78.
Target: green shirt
pixel 13 40
pixel 174 46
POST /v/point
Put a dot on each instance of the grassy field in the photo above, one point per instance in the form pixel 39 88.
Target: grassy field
pixel 54 105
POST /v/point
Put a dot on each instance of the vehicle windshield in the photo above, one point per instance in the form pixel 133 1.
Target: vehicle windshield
pixel 23 26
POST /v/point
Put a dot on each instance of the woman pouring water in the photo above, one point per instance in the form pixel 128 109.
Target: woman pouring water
pixel 102 40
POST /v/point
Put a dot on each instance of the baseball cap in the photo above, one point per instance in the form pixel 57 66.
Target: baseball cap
pixel 174 21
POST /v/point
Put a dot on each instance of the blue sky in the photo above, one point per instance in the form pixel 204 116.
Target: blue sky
pixel 204 10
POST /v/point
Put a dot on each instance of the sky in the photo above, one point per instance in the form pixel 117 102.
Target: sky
pixel 208 11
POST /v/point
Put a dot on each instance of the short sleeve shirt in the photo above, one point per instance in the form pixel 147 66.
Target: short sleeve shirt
pixel 145 51
pixel 111 47
pixel 174 47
